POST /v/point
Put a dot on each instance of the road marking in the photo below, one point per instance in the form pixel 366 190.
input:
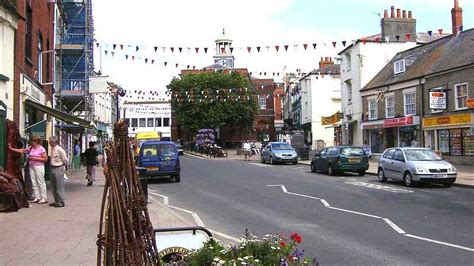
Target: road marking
pixel 225 236
pixel 379 187
pixel 165 198
pixel 195 156
pixel 386 220
pixel 261 164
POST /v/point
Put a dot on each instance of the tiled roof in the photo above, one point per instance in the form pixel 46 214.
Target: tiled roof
pixel 443 54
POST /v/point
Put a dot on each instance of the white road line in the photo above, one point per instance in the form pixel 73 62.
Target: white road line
pixel 165 198
pixel 440 242
pixel 379 187
pixel 386 220
pixel 195 156
pixel 181 209
pixel 394 226
pixel 261 164
pixel 225 236
pixel 198 219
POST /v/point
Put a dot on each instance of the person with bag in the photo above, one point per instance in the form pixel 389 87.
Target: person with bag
pixel 58 164
pixel 91 163
pixel 36 158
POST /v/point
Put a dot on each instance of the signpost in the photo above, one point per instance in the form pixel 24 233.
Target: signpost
pixel 438 100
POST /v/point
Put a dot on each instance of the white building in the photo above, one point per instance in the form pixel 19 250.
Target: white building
pixel 320 97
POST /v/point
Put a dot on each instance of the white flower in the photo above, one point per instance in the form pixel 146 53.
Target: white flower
pixel 216 259
pixel 211 247
pixel 246 257
pixel 222 261
pixel 257 260
pixel 240 259
pixel 273 247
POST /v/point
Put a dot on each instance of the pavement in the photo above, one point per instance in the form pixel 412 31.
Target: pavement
pixel 44 235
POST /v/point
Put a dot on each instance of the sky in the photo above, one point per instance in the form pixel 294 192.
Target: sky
pixel 249 23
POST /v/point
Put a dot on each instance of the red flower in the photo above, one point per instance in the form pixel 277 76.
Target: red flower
pixel 282 243
pixel 297 238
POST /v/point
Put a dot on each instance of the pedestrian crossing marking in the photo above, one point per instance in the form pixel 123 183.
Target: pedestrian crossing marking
pixel 379 187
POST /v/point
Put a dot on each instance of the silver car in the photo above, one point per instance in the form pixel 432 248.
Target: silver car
pixel 415 165
pixel 276 152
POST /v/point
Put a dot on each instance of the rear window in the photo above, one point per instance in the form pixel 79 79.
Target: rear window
pixel 162 150
pixel 352 151
pixel 281 146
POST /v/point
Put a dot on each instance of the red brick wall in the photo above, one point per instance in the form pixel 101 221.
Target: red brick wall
pixel 42 21
pixel 277 97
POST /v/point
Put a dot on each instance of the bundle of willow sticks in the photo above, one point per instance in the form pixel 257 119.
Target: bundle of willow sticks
pixel 125 233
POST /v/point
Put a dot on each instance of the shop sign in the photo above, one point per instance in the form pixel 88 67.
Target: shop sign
pixel 470 103
pixel 329 120
pixel 449 120
pixel 398 122
pixel 437 100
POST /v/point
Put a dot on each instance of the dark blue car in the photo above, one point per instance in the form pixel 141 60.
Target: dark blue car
pixel 160 158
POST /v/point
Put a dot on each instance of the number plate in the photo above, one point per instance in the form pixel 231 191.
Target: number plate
pixel 152 168
pixel 440 176
pixel 354 160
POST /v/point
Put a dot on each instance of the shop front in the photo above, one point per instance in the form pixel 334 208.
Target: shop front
pixel 392 132
pixel 452 136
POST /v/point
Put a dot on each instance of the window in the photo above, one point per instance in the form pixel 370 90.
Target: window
pixel 456 142
pixel 262 102
pixel 348 61
pixel 399 156
pixel 389 154
pixel 134 122
pixel 158 122
pixel 39 62
pixel 127 122
pixel 349 90
pixel 142 122
pixel 372 109
pixel 399 66
pixel 150 122
pixel 48 60
pixel 390 106
pixel 410 103
pixel 166 122
pixel 460 91
pixel 29 32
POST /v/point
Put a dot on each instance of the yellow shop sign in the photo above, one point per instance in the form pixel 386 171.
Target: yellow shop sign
pixel 448 120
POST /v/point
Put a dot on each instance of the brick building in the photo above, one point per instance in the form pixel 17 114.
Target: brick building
pixel 422 98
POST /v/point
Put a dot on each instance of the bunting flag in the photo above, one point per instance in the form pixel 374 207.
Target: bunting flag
pixel 258 49
pixel 133 58
pixel 156 48
pixel 172 49
pixel 408 36
pixel 164 49
pixel 440 31
pixel 277 47
pixel 105 52
pixel 205 50
pixel 398 37
pixel 305 46
pixel 430 32
pixel 180 49
pixel 334 44
pixel 296 47
pixel 189 49
pixel 126 56
pixel 137 48
pixel 121 47
pixel 146 60
pixel 97 44
pixel 364 40
pixel 387 39
pixel 249 48
pixel 196 49
pixel 177 65
pixel 114 45
pixel 222 50
pixel 152 61
pixel 112 53
pixel 267 48
pixel 286 48
pixel 314 46
pixel 231 49
pixel 377 39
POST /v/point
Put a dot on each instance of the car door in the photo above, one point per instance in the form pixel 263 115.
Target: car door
pixel 325 158
pixel 398 164
pixel 387 162
pixel 318 158
pixel 266 152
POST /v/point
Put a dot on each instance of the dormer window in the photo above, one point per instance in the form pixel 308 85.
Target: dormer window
pixel 399 66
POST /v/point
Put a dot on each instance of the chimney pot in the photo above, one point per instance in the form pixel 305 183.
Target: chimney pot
pixel 398 12
pixel 409 14
pixel 404 14
pixel 385 13
pixel 392 11
pixel 456 18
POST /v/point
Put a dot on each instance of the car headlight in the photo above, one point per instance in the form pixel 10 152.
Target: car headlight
pixel 452 169
pixel 421 169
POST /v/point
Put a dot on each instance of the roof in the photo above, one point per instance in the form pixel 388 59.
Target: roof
pixel 326 70
pixel 216 66
pixel 444 54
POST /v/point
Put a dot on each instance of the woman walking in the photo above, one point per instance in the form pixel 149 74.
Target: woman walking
pixel 36 159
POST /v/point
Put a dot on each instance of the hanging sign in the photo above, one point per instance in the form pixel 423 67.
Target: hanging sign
pixel 437 100
pixel 470 103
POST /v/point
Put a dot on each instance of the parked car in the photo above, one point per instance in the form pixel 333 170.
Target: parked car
pixel 340 159
pixel 415 165
pixel 276 152
pixel 160 158
pixel 179 148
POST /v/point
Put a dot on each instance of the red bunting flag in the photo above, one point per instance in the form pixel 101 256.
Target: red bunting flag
pixel 249 48
pixel 121 47
pixel 364 40
pixel 133 57
pixel 440 31
pixel 377 39
pixel 222 50
pixel 305 46
pixel 197 49
pixel 334 44
pixel 277 47
pixel 286 48
pixel 408 36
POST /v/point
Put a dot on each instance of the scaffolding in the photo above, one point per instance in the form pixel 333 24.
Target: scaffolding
pixel 74 58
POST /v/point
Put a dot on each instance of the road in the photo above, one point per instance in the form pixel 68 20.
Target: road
pixel 344 220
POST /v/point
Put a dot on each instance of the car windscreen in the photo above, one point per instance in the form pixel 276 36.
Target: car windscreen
pixel 352 151
pixel 162 150
pixel 281 146
pixel 421 155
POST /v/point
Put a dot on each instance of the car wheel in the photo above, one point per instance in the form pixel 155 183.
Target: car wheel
pixel 261 159
pixel 177 178
pixel 408 179
pixel 448 184
pixel 313 168
pixel 381 176
pixel 330 170
pixel 361 173
pixel 271 160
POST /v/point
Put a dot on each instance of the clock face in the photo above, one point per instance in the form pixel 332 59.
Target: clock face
pixel 227 62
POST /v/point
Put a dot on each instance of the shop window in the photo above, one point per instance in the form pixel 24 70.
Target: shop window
pixel 376 140
pixel 158 122
pixel 150 122
pixel 142 122
pixel 262 102
pixel 468 141
pixel 443 142
pixel 460 91
pixel 134 122
pixel 410 103
pixel 390 106
pixel 456 142
pixel 166 122
pixel 408 137
pixel 372 109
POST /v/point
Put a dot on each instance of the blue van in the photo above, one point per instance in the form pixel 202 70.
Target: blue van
pixel 160 158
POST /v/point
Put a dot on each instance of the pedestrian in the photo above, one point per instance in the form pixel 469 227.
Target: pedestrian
pixel 413 142
pixel 36 159
pixel 91 163
pixel 58 163
pixel 247 150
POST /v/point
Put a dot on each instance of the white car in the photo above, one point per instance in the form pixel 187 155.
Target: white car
pixel 414 165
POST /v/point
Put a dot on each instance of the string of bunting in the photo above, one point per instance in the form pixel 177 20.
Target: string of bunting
pixel 278 48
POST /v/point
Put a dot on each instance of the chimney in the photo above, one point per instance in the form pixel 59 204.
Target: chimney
pixel 399 25
pixel 456 16
pixel 327 61
pixel 385 13
pixel 404 14
pixel 398 12
pixel 409 14
pixel 392 11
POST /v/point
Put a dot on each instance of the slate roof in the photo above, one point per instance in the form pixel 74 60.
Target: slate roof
pixel 440 55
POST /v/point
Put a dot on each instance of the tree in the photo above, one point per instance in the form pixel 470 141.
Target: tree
pixel 212 100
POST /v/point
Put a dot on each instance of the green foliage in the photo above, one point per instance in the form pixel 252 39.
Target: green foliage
pixel 211 100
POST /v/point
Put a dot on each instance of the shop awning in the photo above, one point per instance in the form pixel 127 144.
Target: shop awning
pixel 58 114
pixel 338 124
pixel 72 129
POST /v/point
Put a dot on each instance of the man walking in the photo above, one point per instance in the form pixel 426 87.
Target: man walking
pixel 58 162
pixel 91 163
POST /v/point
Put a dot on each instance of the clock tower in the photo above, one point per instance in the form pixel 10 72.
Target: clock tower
pixel 223 54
